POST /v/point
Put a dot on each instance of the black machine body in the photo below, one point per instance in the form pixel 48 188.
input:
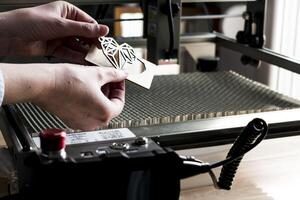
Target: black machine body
pixel 114 164
pixel 124 169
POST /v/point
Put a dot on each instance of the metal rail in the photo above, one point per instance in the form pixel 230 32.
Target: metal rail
pixel 221 130
pixel 219 16
pixel 184 39
pixel 262 54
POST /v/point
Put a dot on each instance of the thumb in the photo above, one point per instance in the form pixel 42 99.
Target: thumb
pixel 84 29
pixel 109 74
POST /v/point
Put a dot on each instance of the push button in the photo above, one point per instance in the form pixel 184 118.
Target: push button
pixel 120 146
pixel 86 154
pixel 141 141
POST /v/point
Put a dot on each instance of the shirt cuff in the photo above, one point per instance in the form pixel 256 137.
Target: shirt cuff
pixel 1 88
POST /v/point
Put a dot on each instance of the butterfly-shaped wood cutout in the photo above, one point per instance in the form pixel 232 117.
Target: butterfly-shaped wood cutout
pixel 118 55
pixel 122 57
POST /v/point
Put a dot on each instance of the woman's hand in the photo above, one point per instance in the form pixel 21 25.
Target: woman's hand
pixel 56 29
pixel 84 97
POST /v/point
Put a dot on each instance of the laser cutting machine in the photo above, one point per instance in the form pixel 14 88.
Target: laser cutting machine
pixel 181 111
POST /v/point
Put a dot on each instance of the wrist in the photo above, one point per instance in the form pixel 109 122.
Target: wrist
pixel 25 83
pixel 43 83
pixel 48 89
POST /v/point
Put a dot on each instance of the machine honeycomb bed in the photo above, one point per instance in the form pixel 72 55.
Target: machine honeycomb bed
pixel 177 98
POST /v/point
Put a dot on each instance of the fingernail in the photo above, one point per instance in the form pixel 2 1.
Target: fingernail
pixel 103 29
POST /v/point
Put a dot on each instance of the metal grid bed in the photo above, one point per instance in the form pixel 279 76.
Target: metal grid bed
pixel 177 98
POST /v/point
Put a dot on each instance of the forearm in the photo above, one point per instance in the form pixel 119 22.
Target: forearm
pixel 25 82
pixel 10 41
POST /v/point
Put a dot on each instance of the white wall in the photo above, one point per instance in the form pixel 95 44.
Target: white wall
pixel 283 36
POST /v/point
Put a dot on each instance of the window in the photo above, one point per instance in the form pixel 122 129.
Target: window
pixel 283 36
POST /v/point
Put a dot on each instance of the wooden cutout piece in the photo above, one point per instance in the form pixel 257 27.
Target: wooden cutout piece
pixel 145 78
pixel 140 71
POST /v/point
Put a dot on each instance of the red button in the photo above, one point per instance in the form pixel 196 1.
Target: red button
pixel 53 140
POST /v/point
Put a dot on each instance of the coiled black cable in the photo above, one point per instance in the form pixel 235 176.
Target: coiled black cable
pixel 252 135
pixel 242 144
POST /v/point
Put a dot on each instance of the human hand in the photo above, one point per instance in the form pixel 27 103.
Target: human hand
pixel 84 97
pixel 56 29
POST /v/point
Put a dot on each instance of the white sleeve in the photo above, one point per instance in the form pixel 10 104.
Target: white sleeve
pixel 1 88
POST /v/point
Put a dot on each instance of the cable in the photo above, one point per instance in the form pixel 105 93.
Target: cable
pixel 142 4
pixel 251 136
pixel 209 21
pixel 120 20
pixel 171 28
pixel 244 142
pixel 101 11
pixel 104 11
pixel 214 179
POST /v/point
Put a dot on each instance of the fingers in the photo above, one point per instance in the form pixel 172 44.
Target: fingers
pixel 110 106
pixel 88 40
pixel 77 45
pixel 117 91
pixel 70 50
pixel 105 89
pixel 70 55
pixel 109 74
pixel 116 101
pixel 114 90
pixel 84 29
pixel 75 13
pixel 79 23
pixel 117 107
pixel 115 98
